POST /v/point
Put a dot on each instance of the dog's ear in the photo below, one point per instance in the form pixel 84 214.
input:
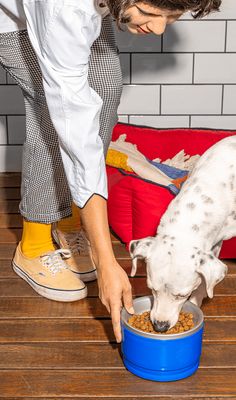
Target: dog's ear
pixel 213 271
pixel 139 249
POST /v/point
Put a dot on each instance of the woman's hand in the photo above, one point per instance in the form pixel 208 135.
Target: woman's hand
pixel 113 282
pixel 114 292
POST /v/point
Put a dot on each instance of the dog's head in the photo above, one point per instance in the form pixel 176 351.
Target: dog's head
pixel 173 274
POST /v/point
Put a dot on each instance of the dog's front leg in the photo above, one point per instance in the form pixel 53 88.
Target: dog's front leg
pixel 199 294
pixel 216 249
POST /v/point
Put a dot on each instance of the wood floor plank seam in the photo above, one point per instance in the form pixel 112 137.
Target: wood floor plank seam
pixel 99 369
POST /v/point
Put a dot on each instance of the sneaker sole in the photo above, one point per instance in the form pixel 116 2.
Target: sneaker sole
pixel 86 276
pixel 51 294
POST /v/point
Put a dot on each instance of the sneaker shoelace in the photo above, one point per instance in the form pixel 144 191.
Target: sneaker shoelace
pixel 54 261
pixel 77 243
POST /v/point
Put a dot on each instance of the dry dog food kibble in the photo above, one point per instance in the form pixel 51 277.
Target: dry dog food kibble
pixel 143 323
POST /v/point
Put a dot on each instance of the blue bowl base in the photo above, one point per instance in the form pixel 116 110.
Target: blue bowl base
pixel 160 376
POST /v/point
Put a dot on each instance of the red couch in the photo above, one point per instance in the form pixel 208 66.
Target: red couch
pixel 135 206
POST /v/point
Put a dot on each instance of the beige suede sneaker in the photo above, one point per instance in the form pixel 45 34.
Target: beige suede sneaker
pixel 81 261
pixel 49 275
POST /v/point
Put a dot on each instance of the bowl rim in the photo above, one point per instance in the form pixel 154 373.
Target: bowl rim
pixel 161 336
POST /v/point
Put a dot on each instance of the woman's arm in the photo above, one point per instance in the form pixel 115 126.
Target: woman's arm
pixel 114 286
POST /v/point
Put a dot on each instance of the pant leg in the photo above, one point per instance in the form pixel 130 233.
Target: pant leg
pixel 45 194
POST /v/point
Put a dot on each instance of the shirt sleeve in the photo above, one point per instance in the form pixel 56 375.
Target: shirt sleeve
pixel 62 36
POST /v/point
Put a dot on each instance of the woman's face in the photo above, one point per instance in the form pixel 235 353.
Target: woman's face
pixel 146 19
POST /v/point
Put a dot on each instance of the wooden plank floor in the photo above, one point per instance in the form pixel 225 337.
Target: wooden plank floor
pixel 51 350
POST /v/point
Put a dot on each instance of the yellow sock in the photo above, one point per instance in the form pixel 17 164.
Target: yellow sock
pixel 36 239
pixel 72 223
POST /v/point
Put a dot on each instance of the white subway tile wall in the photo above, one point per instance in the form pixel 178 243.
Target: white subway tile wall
pixel 138 99
pixel 10 158
pixel 214 122
pixel 202 36
pixel 161 68
pixel 2 76
pixel 231 35
pixel 229 106
pixel 191 99
pixel 169 121
pixel 125 66
pixel 16 129
pixel 185 78
pixel 3 130
pixel 215 68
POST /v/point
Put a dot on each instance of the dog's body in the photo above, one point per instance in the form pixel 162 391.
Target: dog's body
pixel 182 259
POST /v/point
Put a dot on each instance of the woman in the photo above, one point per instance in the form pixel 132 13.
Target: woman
pixel 57 81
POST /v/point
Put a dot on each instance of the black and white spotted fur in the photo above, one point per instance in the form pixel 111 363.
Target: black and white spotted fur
pixel 182 259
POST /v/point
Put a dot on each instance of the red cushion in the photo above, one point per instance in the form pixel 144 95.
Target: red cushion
pixel 135 206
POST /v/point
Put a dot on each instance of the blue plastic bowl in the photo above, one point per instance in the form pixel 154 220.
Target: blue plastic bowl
pixel 161 357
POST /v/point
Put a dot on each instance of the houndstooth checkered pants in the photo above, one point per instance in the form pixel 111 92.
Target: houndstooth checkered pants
pixel 45 196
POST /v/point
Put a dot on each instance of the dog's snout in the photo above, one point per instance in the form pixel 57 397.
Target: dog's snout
pixel 161 326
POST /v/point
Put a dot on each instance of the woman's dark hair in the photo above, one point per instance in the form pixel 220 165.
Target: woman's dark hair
pixel 199 8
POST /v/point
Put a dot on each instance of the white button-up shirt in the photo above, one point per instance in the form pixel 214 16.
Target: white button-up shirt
pixel 62 33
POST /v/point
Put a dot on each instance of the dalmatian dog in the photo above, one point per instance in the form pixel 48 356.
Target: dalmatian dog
pixel 182 259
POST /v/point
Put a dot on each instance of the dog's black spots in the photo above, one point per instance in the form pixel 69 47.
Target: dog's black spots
pixel 231 183
pixel 231 166
pixel 207 214
pixel 172 220
pixel 194 180
pixel 171 244
pixel 199 252
pixel 223 184
pixel 176 212
pixel 172 237
pixel 169 253
pixel 212 231
pixel 177 200
pixel 133 245
pixel 164 241
pixel 195 248
pixel 193 256
pixel 197 189
pixel 211 256
pixel 202 261
pixel 207 199
pixel 195 228
pixel 233 215
pixel 148 243
pixel 191 206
